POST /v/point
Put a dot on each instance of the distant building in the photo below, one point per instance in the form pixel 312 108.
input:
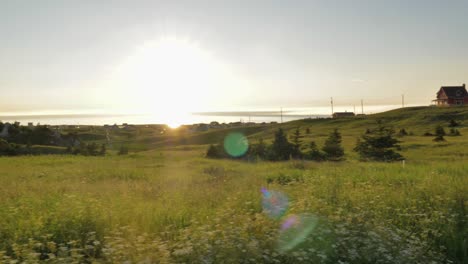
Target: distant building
pixel 451 95
pixel 215 124
pixel 343 114
pixel 4 133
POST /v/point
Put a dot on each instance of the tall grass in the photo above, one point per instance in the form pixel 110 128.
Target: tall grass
pixel 173 205
pixel 176 206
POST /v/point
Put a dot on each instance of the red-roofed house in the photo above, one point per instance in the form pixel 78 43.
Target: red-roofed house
pixel 452 95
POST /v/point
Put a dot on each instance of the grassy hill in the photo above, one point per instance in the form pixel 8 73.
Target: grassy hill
pixel 170 204
pixel 417 120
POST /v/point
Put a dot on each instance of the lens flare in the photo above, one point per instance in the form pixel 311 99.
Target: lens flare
pixel 236 144
pixel 295 229
pixel 275 204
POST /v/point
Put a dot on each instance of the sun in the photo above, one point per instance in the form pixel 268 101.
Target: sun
pixel 171 77
pixel 173 125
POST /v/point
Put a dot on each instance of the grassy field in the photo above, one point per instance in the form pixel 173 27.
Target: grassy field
pixel 170 204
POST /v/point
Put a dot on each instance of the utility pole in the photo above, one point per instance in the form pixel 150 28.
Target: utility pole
pixel 331 101
pixel 402 100
pixel 362 107
pixel 281 114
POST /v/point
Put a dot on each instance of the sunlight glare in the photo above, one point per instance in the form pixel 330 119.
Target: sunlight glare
pixel 171 77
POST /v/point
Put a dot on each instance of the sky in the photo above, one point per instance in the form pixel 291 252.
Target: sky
pixel 129 56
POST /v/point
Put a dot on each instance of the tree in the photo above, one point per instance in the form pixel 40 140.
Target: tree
pixel 41 135
pixel 454 132
pixel 7 148
pixel 297 142
pixel 259 150
pixel 332 147
pixel 92 149
pixel 453 123
pixel 439 133
pixel 103 150
pixel 402 132
pixel 307 131
pixel 379 145
pixel 281 149
pixel 123 150
pixel 314 153
pixel 73 138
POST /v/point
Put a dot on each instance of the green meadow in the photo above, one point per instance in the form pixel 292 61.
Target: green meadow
pixel 166 203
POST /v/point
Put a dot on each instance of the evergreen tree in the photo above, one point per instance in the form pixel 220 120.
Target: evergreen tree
pixel 92 149
pixel 454 132
pixel 332 147
pixel 259 150
pixel 297 142
pixel 123 150
pixel 402 132
pixel 103 150
pixel 379 145
pixel 439 133
pixel 314 153
pixel 281 149
pixel 453 123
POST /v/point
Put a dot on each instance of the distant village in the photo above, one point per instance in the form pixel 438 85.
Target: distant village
pixel 69 135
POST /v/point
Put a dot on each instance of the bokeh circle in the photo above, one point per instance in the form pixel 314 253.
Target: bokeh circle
pixel 236 144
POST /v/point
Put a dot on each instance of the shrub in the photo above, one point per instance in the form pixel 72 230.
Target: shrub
pixel 454 132
pixel 214 152
pixel 285 179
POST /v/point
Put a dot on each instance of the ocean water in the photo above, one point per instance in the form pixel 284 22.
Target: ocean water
pixel 242 115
